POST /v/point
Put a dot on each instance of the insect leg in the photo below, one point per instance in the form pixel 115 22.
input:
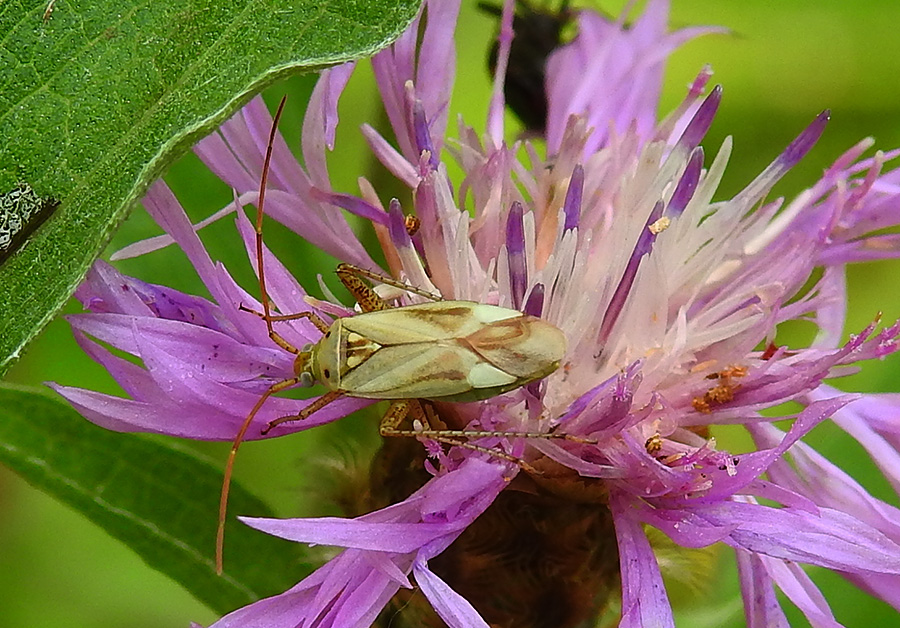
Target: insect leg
pixel 390 427
pixel 315 406
pixel 258 227
pixel 349 270
pixel 315 319
pixel 365 295
pixel 277 338
pixel 428 433
pixel 400 409
pixel 512 434
pixel 397 412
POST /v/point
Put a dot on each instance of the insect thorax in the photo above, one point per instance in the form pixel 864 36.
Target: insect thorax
pixel 326 358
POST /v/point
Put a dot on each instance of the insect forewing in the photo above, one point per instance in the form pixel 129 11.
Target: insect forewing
pixel 526 347
pixel 424 322
pixel 451 350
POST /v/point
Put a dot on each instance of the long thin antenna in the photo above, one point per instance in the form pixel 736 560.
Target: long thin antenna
pixel 264 297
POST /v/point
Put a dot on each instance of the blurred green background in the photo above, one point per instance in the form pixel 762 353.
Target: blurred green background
pixel 783 63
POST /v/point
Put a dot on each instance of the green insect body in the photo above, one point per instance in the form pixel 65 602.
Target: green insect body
pixel 442 351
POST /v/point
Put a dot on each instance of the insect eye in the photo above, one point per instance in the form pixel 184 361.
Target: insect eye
pixel 327 374
pixel 328 334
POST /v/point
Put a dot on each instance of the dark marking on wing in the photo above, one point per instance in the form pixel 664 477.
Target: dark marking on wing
pixel 500 334
pixel 447 319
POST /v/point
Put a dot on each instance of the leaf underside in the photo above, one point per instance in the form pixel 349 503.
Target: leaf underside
pixel 97 98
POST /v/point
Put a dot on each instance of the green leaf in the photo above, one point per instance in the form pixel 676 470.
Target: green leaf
pixel 96 99
pixel 159 499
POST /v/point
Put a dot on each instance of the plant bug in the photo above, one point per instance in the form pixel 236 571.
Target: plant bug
pixel 454 351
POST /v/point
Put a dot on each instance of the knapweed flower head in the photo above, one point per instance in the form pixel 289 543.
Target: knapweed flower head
pixel 607 228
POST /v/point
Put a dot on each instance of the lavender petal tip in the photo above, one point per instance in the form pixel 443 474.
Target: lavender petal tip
pixel 397 225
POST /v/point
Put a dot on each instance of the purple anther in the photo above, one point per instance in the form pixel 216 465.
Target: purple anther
pixel 643 246
pixel 515 251
pixel 397 226
pixel 797 149
pixel 687 185
pixel 423 135
pixel 702 120
pixel 572 205
pixel 535 303
pixel 535 307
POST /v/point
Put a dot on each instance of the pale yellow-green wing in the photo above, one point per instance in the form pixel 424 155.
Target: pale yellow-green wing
pixel 455 350
pixel 424 322
pixel 428 370
pixel 526 347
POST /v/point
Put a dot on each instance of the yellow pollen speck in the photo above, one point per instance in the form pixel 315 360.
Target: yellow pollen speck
pixel 723 391
pixel 703 366
pixel 878 245
pixel 654 444
pixel 660 225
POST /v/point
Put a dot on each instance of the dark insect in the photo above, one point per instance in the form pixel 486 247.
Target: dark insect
pixel 538 34
pixel 21 212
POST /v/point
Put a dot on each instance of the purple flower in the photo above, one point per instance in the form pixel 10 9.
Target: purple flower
pixel 669 301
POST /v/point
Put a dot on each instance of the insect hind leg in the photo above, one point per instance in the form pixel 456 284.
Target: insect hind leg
pixel 403 408
pixel 351 276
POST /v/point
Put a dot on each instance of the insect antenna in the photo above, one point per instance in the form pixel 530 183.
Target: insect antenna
pixel 263 180
pixel 275 336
